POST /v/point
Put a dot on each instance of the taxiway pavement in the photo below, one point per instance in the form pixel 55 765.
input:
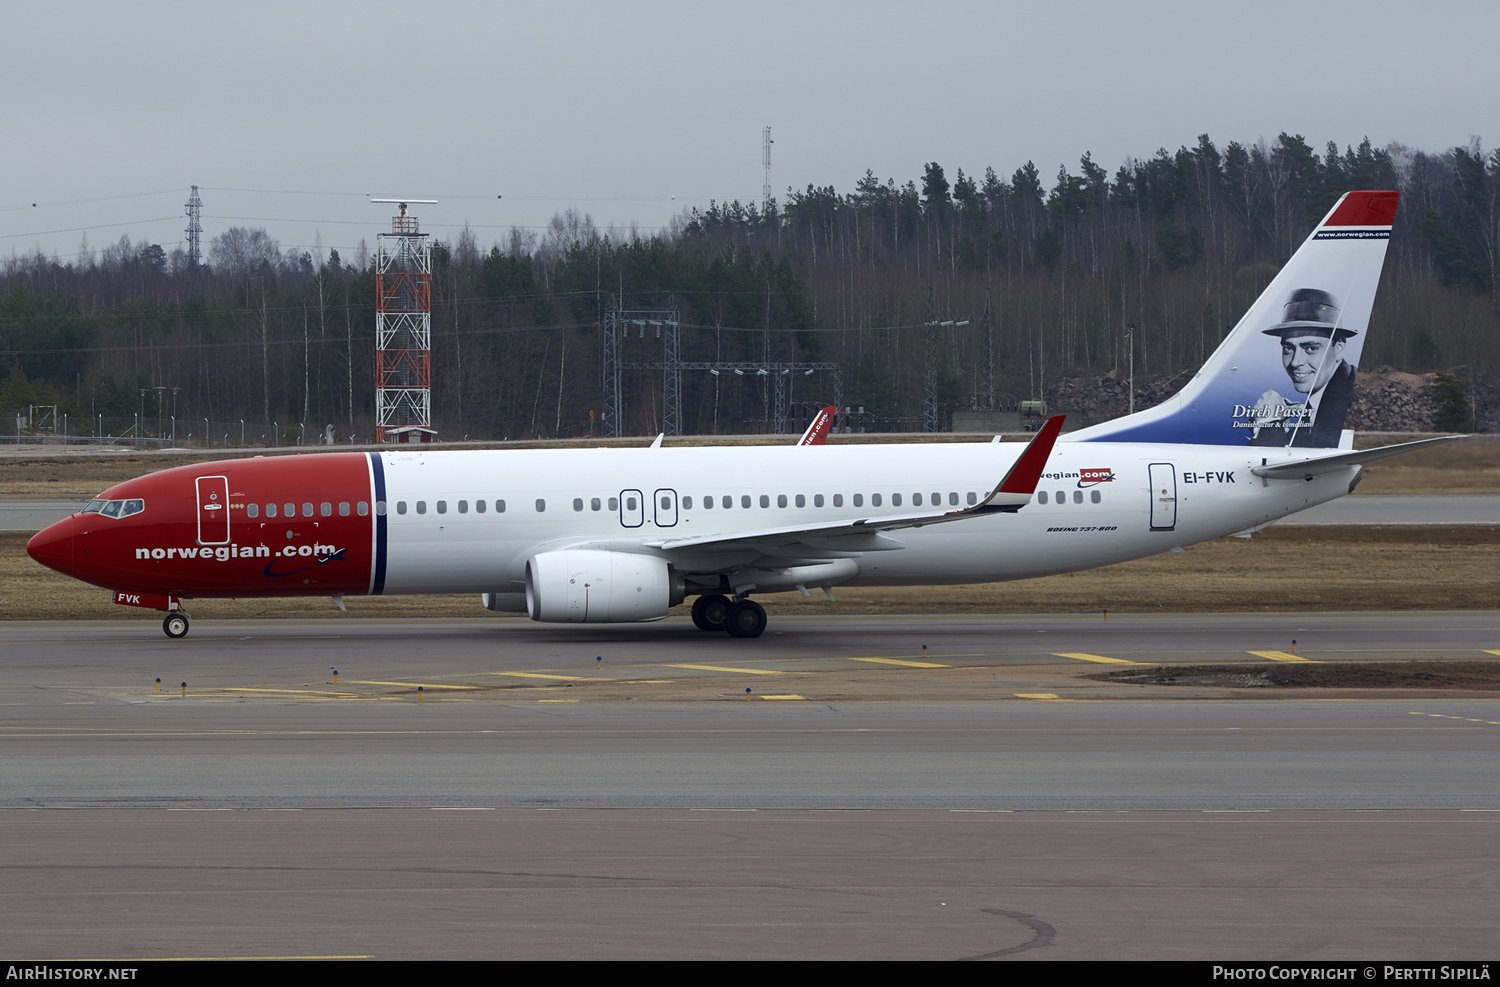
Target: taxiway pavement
pixel 981 800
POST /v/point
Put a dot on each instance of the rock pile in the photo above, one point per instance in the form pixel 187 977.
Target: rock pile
pixel 1385 399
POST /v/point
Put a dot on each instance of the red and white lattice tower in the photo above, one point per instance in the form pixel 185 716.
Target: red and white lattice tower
pixel 403 331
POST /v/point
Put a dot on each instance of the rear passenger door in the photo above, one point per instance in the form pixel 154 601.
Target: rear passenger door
pixel 1163 496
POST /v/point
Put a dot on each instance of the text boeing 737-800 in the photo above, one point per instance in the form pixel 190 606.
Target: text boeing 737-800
pixel 611 535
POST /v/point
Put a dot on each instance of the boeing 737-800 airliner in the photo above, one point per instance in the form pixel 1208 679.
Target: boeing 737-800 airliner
pixel 609 535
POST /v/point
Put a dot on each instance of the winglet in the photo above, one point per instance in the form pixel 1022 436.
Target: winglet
pixel 817 432
pixel 1020 483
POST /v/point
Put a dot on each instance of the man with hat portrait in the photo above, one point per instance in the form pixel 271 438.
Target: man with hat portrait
pixel 1312 353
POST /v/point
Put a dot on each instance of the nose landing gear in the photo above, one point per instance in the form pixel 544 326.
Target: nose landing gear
pixel 176 625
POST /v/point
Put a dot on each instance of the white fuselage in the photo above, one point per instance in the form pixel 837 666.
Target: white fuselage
pixel 1097 503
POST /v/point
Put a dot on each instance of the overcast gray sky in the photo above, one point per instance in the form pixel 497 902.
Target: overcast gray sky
pixel 288 113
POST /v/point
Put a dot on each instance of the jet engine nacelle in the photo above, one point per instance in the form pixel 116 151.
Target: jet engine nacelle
pixel 589 586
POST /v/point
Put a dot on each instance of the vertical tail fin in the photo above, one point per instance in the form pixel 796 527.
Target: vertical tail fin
pixel 1285 375
pixel 817 432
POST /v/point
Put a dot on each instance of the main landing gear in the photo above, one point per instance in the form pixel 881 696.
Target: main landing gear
pixel 176 625
pixel 741 618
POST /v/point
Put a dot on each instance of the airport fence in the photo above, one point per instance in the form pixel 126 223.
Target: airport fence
pixel 169 433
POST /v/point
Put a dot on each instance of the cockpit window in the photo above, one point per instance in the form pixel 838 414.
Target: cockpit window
pixel 115 508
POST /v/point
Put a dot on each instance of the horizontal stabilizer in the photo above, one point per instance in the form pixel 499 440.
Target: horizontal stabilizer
pixel 1306 469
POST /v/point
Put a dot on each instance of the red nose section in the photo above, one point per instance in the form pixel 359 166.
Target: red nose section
pixel 53 546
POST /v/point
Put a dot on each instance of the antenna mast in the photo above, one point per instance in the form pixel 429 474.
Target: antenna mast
pixel 403 330
pixel 194 230
pixel 765 159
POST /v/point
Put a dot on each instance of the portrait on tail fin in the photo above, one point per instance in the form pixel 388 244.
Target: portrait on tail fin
pixel 1313 345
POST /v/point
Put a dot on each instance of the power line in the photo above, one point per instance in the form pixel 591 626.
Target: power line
pixel 96 226
pixel 97 198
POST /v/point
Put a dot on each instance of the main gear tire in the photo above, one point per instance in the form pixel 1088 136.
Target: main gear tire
pixel 746 619
pixel 711 612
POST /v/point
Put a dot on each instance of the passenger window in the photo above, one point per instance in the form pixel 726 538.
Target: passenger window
pixel 364 508
pixel 916 500
pixel 594 504
pixel 270 510
pixel 728 502
pixel 859 500
pixel 1077 496
pixel 666 503
pixel 1094 496
pixel 687 503
pixel 745 501
pixel 1041 496
pixel 380 507
pixel 253 510
pixel 442 507
pixel 708 502
pixel 290 510
pixel 479 506
pixel 765 501
pixel 952 499
pixel 1062 496
pixel 838 500
pixel 972 499
pixel 801 501
pixel 541 505
pixel 400 507
pixel 421 507
pixel 463 507
pixel 578 504
pixel 343 508
pixel 306 509
pixel 874 500
pixel 614 503
pixel 817 500
pixel 781 500
pixel 630 503
pixel 896 500
pixel 499 507
pixel 326 509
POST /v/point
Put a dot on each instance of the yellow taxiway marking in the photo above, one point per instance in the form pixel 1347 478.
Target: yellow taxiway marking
pixel 557 700
pixel 415 685
pixel 539 675
pixel 1036 695
pixel 1282 656
pixel 903 661
pixel 1081 656
pixel 290 692
pixel 783 697
pixel 1491 651
pixel 718 668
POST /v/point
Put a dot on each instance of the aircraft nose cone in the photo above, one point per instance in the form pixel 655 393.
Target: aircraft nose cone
pixel 53 546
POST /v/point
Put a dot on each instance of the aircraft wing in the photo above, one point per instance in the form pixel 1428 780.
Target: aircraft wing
pixel 817 432
pixel 1306 469
pixel 851 538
